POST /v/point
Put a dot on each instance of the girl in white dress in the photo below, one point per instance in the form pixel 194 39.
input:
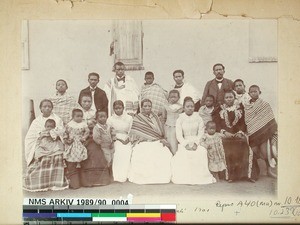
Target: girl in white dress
pixel 190 164
pixel 121 122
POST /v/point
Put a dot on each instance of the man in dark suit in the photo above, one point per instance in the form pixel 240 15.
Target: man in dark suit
pixel 99 98
pixel 218 86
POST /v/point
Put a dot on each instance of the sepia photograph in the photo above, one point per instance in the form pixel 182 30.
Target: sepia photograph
pixel 176 109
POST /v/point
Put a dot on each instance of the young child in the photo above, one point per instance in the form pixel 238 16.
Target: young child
pixel 212 141
pixel 261 128
pixel 206 111
pixel 75 136
pixel 171 113
pixel 49 143
pixel 104 135
pixel 88 112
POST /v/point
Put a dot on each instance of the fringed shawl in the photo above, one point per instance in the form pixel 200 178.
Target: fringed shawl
pixel 146 129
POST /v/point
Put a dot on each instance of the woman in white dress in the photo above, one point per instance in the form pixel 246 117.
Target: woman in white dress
pixel 190 163
pixel 121 122
pixel 151 155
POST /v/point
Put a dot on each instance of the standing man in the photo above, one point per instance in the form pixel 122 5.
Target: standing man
pixel 122 87
pixel 99 99
pixel 185 89
pixel 218 86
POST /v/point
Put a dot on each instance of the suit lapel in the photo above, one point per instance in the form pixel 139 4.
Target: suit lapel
pixel 215 87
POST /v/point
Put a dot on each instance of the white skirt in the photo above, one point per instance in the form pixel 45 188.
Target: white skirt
pixel 150 163
pixel 121 161
pixel 191 167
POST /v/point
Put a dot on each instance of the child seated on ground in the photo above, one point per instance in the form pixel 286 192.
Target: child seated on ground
pixel 49 143
pixel 206 111
pixel 212 141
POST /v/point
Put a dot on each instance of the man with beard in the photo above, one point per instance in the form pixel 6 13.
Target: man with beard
pixel 218 86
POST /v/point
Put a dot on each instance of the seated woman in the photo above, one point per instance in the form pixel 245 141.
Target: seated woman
pixel 190 163
pixel 94 170
pixel 239 157
pixel 45 169
pixel 151 156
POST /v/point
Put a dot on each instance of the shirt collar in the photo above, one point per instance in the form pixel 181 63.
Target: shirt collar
pixel 219 80
pixel 93 88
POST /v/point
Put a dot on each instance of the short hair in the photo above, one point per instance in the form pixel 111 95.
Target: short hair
pixel 144 101
pixel 254 86
pixel 149 73
pixel 97 113
pixel 94 74
pixel 46 100
pixel 210 96
pixel 210 122
pixel 178 71
pixel 85 95
pixel 229 92
pixel 118 102
pixel 50 121
pixel 238 80
pixel 218 64
pixel 174 91
pixel 62 81
pixel 118 64
pixel 188 99
pixel 76 111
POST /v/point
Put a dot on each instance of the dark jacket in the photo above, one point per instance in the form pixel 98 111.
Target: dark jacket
pixel 100 99
pixel 211 88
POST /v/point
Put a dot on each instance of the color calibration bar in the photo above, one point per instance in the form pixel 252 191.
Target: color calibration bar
pixel 101 213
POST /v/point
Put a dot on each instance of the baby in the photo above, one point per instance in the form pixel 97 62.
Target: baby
pixel 49 142
pixel 212 141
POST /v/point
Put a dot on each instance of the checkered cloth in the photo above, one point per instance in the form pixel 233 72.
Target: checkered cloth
pixel 76 152
pixel 44 174
pixel 157 95
pixel 63 106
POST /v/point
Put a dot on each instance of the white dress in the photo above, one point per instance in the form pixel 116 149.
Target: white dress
pixel 150 163
pixel 150 160
pixel 188 166
pixel 122 155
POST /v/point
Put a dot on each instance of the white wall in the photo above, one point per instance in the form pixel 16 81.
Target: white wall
pixel 71 49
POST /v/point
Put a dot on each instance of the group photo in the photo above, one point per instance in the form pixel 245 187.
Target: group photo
pixel 171 107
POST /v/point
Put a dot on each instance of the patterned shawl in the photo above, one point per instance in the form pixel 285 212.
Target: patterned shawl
pixel 63 106
pixel 258 115
pixel 146 129
pixel 157 95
